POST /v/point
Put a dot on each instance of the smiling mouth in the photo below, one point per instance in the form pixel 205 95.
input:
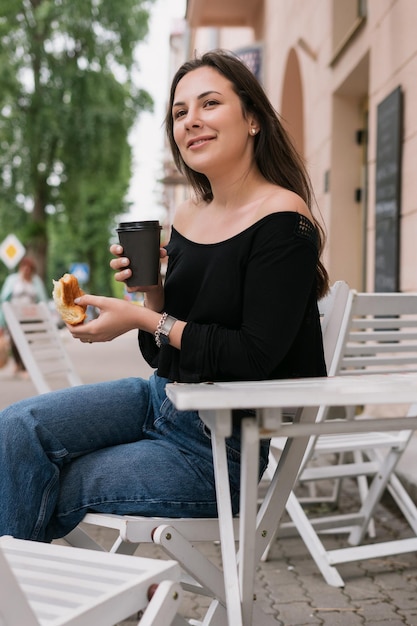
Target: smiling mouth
pixel 199 142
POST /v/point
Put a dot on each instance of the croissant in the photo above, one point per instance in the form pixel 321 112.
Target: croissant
pixel 66 289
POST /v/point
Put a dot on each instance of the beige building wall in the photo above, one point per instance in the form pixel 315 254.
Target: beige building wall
pixel 330 104
pixel 327 65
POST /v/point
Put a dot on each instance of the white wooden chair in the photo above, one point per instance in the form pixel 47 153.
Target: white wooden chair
pixel 54 585
pixel 37 338
pixel 180 537
pixel 379 336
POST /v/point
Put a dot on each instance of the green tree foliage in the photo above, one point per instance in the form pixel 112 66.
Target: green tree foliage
pixel 67 104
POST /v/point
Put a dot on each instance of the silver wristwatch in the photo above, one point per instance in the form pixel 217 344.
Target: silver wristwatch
pixel 163 329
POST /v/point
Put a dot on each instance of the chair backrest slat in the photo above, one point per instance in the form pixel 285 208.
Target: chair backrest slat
pixel 332 310
pixel 381 334
pixel 37 338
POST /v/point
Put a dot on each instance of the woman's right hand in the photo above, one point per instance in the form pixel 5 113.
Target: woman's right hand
pixel 120 264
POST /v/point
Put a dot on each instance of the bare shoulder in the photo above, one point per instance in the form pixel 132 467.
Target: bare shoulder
pixel 280 200
pixel 185 212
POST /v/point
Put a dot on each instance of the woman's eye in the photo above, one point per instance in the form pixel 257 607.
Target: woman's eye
pixel 210 103
pixel 179 114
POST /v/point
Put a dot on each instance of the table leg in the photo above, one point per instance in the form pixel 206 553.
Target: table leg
pixel 281 485
pixel 219 423
pixel 249 473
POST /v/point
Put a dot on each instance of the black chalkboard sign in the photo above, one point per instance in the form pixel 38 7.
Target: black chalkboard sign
pixel 388 191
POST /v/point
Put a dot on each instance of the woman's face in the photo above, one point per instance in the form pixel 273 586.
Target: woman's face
pixel 26 271
pixel 209 125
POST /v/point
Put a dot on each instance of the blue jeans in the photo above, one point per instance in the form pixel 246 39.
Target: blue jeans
pixel 114 447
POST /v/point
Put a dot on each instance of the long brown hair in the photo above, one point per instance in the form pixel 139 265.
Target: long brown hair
pixel 274 153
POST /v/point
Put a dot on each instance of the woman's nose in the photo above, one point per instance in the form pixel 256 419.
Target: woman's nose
pixel 192 120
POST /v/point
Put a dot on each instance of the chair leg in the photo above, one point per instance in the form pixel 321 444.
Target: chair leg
pixel 363 491
pixel 404 502
pixel 191 560
pixel 313 542
pixel 164 605
pixel 376 489
pixel 78 538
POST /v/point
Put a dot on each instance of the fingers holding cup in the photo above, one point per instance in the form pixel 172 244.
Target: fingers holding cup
pixel 141 247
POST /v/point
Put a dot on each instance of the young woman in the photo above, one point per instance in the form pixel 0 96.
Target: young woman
pixel 239 303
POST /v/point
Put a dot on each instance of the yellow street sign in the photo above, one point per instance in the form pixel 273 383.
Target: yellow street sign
pixel 11 251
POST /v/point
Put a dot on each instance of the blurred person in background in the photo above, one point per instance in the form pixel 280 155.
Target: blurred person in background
pixel 22 287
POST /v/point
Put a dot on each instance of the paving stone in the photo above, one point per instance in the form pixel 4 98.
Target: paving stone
pixel 389 622
pixel 404 599
pixel 410 617
pixel 352 572
pixel 395 580
pixel 264 600
pixel 297 614
pixel 277 581
pixel 328 596
pixel 377 610
pixel 287 593
pixel 335 617
pixel 364 589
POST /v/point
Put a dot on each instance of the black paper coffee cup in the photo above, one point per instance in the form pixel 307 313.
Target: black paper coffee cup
pixel 141 242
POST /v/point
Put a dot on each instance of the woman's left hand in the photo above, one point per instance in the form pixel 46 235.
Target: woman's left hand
pixel 116 317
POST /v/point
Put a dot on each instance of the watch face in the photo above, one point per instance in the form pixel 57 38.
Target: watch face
pixel 164 328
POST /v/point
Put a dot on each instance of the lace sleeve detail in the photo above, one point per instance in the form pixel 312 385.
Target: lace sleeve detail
pixel 306 229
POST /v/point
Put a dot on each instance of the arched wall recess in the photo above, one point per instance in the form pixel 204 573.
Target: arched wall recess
pixel 292 104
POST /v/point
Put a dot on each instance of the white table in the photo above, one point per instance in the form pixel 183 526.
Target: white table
pixel 215 402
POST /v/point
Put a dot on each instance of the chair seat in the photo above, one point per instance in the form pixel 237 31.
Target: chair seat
pixel 64 585
pixel 132 531
pixel 360 441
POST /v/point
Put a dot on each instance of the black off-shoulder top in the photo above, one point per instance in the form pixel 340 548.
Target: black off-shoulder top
pixel 249 302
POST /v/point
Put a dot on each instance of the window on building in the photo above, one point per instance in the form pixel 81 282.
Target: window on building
pixel 348 17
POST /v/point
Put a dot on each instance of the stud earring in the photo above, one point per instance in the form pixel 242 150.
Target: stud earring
pixel 253 131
